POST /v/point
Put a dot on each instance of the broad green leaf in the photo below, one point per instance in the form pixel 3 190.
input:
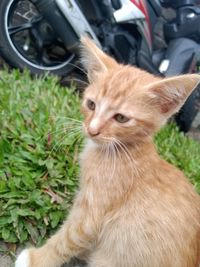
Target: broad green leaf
pixel 32 230
pixel 5 233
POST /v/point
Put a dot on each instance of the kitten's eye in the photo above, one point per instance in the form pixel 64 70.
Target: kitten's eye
pixel 121 118
pixel 90 104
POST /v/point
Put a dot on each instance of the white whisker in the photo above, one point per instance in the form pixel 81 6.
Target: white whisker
pixel 129 157
pixel 77 80
pixel 76 66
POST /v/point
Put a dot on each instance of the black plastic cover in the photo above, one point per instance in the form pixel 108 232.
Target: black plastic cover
pixel 180 53
pixel 179 3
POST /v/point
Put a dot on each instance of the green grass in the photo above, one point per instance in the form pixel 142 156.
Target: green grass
pixel 181 151
pixel 39 168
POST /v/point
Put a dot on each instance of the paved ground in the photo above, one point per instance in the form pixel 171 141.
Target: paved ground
pixel 7 259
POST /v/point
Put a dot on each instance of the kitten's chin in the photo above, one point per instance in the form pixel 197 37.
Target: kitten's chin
pixel 98 141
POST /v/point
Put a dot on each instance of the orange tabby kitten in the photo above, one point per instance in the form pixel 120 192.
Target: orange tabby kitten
pixel 133 209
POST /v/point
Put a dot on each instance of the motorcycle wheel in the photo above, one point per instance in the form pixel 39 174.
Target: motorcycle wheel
pixel 28 41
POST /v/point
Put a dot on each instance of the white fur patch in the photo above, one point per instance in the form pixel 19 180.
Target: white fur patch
pixel 23 259
pixel 104 105
pixel 94 124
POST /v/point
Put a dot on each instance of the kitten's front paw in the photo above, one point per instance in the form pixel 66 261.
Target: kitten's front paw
pixel 23 259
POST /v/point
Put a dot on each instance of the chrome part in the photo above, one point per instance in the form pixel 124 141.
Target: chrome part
pixel 164 65
pixel 75 17
pixel 26 47
pixel 191 15
pixel 131 13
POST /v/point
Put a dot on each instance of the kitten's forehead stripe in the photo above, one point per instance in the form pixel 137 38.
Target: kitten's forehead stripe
pixel 118 84
pixel 108 106
pixel 103 106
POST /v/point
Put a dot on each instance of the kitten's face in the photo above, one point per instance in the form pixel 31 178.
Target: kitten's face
pixel 116 108
pixel 125 103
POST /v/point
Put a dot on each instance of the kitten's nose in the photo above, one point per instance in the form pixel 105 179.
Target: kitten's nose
pixel 94 127
pixel 93 131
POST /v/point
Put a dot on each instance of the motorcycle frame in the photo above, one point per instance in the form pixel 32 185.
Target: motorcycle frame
pixel 135 11
pixel 132 12
pixel 132 22
pixel 76 18
pixel 72 19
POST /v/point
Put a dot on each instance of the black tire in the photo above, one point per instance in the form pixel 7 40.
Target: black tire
pixel 16 56
pixel 189 111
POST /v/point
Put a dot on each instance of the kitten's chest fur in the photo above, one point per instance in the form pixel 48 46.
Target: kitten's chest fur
pixel 109 169
pixel 124 174
pixel 147 202
pixel 133 169
pixel 137 180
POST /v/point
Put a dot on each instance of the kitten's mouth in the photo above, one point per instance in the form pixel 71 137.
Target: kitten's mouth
pixel 97 137
pixel 93 136
pixel 101 140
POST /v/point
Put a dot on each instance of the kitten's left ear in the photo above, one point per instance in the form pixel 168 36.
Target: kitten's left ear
pixel 94 60
pixel 170 94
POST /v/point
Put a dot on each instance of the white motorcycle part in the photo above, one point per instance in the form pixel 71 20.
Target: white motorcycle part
pixel 76 18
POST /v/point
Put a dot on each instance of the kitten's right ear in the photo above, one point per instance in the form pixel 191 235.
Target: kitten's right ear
pixel 94 60
pixel 169 94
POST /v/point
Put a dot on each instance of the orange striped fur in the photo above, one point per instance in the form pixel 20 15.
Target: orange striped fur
pixel 133 209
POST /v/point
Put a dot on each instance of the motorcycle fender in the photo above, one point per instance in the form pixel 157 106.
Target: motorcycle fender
pixel 179 57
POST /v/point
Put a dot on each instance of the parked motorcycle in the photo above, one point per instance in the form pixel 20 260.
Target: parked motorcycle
pixel 43 35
